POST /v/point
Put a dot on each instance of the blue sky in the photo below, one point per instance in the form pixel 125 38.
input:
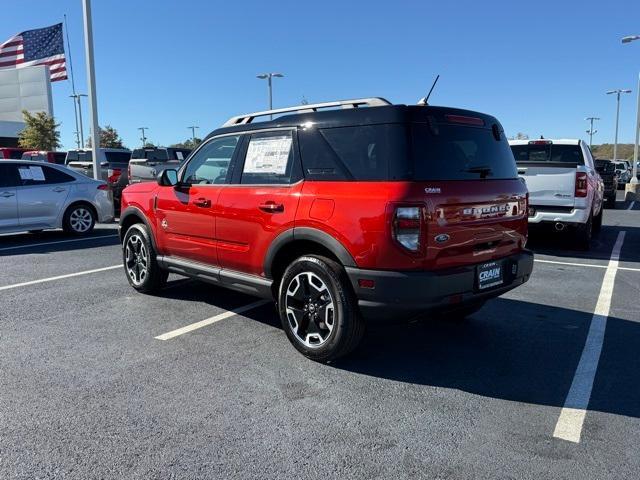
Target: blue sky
pixel 541 67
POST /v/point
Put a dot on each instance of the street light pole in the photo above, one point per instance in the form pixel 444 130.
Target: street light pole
pixel 591 131
pixel 78 97
pixel 617 92
pixel 91 82
pixel 193 134
pixel 269 77
pixel 634 178
pixel 144 138
pixel 75 112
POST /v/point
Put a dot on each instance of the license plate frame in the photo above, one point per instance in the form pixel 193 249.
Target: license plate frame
pixel 490 275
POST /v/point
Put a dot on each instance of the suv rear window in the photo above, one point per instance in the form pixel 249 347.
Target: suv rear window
pixel 548 153
pixel 118 157
pixel 454 152
pixel 79 156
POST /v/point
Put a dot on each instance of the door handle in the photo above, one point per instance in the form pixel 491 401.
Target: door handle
pixel 271 207
pixel 202 202
pixel 59 189
pixel 7 194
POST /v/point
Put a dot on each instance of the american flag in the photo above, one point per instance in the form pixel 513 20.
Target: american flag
pixel 43 46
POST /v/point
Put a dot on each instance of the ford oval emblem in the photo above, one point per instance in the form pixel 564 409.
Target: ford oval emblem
pixel 443 237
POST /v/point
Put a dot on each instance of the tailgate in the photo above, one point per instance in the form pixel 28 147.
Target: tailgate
pixel 473 221
pixel 86 168
pixel 549 184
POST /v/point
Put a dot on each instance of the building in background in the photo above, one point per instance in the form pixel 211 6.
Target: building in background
pixel 21 89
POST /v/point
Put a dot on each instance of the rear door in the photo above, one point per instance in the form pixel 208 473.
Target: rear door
pixel 186 213
pixel 549 169
pixel 261 202
pixel 9 180
pixel 42 195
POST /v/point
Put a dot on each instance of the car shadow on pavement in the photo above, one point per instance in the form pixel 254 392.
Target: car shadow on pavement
pixel 562 244
pixel 50 241
pixel 510 350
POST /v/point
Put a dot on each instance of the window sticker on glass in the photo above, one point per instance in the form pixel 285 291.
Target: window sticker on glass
pixel 179 155
pixel 268 155
pixel 37 174
pixel 31 173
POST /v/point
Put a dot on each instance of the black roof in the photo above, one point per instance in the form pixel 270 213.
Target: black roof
pixel 348 117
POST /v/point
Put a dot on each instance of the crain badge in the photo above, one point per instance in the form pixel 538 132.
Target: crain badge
pixel 164 223
pixel 443 237
pixel 432 190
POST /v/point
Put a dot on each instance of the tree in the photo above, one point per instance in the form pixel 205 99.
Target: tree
pixel 109 138
pixel 520 136
pixel 191 143
pixel 41 132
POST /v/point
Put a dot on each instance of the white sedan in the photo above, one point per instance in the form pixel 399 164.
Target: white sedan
pixel 38 195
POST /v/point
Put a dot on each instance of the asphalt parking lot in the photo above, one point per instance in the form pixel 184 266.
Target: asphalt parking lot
pixel 87 390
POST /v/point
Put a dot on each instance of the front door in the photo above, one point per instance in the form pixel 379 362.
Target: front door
pixel 42 195
pixel 261 201
pixel 185 213
pixel 9 180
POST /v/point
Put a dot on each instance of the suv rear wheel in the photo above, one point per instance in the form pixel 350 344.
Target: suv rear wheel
pixel 139 259
pixel 318 310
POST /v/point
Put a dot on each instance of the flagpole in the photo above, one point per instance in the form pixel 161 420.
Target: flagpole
pixel 73 83
pixel 91 81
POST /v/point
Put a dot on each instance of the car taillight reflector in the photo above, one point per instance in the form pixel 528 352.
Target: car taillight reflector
pixel 103 186
pixel 407 227
pixel 465 120
pixel 581 184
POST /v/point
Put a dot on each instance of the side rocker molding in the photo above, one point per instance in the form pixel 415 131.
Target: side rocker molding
pixel 311 234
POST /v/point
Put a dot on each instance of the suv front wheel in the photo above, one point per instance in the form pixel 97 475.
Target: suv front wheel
pixel 139 259
pixel 318 309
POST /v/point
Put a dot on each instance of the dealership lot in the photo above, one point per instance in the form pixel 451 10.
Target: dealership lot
pixel 88 390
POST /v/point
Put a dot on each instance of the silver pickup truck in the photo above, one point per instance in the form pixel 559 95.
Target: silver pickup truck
pixel 565 190
pixel 147 163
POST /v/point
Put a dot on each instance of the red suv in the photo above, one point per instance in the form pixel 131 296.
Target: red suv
pixel 342 212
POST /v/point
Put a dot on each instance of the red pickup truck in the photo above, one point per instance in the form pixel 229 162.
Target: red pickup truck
pixel 343 212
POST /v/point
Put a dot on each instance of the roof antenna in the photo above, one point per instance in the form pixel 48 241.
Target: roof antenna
pixel 425 100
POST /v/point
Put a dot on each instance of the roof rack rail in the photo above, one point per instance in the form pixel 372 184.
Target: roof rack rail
pixel 249 117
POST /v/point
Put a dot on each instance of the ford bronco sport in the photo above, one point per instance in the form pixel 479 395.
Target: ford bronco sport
pixel 342 212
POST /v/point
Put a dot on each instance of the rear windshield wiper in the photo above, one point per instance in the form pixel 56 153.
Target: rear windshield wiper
pixel 483 170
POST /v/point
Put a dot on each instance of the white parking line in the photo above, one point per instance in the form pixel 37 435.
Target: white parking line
pixel 571 420
pixel 631 205
pixel 42 244
pixel 593 265
pixel 59 277
pixel 209 321
pixel 571 264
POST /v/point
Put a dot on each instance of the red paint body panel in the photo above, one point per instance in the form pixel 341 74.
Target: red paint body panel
pixel 234 232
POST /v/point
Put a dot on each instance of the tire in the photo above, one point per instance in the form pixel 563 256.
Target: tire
pixel 79 219
pixel 597 221
pixel 584 233
pixel 139 261
pixel 314 288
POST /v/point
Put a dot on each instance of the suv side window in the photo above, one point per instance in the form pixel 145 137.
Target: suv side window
pixel 269 159
pixel 210 164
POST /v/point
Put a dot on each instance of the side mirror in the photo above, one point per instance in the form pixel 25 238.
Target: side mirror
pixel 168 178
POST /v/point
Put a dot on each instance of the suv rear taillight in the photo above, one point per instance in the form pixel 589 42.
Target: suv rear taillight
pixel 113 174
pixel 581 184
pixel 408 227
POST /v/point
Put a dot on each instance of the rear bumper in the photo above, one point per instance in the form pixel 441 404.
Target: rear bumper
pixel 408 294
pixel 576 215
